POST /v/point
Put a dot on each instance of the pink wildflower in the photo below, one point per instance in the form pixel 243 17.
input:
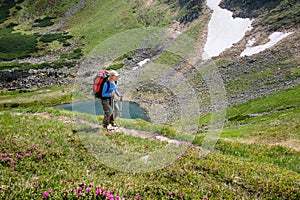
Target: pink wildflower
pixel 40 155
pixel 63 181
pixel 19 156
pixel 216 168
pixel 45 194
pixel 98 191
pixel 27 154
pixel 170 193
pixel 33 147
pixel 79 194
pixel 36 186
pixel 83 183
pixel 66 192
pixel 138 197
pixel 88 190
pixel 79 189
pixel 110 197
pixel 91 185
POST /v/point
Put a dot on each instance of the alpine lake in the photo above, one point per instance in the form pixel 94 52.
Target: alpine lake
pixel 129 110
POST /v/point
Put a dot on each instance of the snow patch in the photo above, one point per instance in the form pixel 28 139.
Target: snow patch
pixel 223 30
pixel 140 64
pixel 274 39
pixel 143 62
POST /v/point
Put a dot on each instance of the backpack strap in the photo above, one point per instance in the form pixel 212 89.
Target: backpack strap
pixel 108 85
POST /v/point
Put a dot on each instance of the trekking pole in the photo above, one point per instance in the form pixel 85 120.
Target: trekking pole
pixel 113 107
pixel 121 106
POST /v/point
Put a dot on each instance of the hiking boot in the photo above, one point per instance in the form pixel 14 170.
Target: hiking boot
pixel 113 125
pixel 105 126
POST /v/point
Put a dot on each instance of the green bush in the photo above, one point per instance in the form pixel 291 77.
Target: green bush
pixel 47 38
pixel 115 67
pixel 76 54
pixel 46 21
pixel 16 45
pixel 4 9
pixel 25 66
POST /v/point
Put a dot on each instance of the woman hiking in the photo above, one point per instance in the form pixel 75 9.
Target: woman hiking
pixel 108 101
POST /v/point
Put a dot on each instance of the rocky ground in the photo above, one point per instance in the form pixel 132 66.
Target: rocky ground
pixel 234 72
pixel 36 78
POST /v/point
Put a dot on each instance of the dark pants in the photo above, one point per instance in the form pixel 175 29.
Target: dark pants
pixel 107 105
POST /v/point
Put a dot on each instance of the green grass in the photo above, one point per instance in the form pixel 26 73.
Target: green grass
pixel 50 154
pixel 44 8
pixel 196 30
pixel 282 100
pixel 46 152
pixel 273 119
pixel 55 64
pixel 50 96
pixel 284 15
pixel 97 23
pixel 169 58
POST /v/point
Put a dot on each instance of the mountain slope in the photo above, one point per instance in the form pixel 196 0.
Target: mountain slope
pixel 49 153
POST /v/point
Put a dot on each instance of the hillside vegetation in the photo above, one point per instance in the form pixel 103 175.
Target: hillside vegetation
pixel 48 153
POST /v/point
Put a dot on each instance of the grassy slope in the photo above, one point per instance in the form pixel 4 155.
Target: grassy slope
pixel 98 20
pixel 48 155
pixel 273 119
pixel 60 161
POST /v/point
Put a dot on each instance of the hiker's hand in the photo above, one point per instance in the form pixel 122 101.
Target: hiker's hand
pixel 112 93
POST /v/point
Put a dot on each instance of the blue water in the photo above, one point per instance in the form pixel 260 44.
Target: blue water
pixel 128 109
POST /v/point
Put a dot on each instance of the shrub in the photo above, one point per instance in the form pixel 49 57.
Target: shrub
pixel 4 9
pixel 76 54
pixel 47 38
pixel 115 67
pixel 46 21
pixel 16 45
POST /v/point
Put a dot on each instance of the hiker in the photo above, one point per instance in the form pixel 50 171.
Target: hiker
pixel 108 101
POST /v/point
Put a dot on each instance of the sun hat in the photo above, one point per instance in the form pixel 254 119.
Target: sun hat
pixel 113 73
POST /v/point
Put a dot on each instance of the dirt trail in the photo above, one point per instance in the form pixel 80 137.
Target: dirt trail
pixel 143 134
pixel 132 132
